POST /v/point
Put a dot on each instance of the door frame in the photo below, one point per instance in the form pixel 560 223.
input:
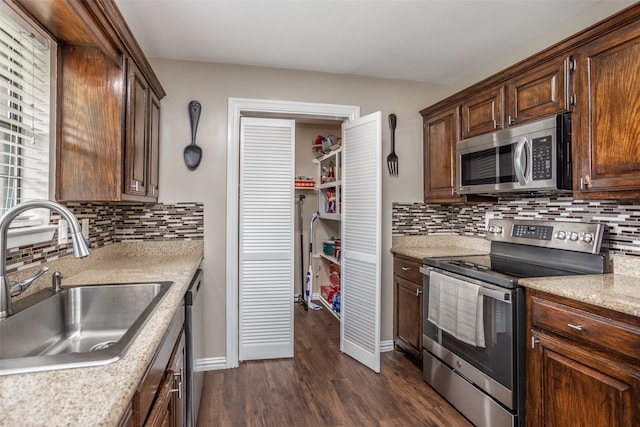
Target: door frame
pixel 238 107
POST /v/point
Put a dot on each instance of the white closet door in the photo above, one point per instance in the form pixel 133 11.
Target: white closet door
pixel 360 287
pixel 266 228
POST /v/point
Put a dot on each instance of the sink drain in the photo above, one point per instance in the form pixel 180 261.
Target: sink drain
pixel 102 345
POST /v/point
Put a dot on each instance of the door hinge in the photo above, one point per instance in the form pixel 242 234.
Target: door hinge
pixel 573 65
pixel 573 100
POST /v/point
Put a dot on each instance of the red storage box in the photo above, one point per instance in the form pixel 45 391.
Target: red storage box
pixel 327 292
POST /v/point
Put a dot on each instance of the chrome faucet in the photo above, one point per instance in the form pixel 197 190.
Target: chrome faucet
pixel 80 245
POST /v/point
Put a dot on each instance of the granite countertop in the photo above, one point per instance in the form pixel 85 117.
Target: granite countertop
pixel 435 246
pixel 619 290
pixel 99 396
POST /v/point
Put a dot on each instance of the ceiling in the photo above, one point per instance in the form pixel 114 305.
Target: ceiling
pixel 435 41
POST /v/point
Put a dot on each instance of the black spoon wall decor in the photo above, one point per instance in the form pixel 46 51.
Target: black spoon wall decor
pixel 193 153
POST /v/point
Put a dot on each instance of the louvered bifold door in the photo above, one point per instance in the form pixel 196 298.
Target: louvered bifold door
pixel 266 228
pixel 360 278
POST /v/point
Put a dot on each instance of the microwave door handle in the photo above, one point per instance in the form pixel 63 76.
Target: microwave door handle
pixel 520 157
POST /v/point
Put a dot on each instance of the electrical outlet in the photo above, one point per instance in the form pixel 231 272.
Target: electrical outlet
pixel 63 232
pixel 487 217
pixel 85 228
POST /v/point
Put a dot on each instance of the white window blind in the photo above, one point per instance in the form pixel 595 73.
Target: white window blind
pixel 25 64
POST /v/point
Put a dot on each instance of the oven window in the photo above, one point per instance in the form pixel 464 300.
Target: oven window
pixel 496 359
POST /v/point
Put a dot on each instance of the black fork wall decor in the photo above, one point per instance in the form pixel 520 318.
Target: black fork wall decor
pixel 392 158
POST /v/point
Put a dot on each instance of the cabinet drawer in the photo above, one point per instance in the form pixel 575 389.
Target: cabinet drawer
pixel 410 270
pixel 590 328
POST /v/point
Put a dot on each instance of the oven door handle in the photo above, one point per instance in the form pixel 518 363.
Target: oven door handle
pixel 488 292
pixel 497 295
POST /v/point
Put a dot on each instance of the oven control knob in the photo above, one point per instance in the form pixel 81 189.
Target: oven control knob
pixel 561 235
pixel 573 236
pixel 588 237
pixel 492 229
pixel 497 229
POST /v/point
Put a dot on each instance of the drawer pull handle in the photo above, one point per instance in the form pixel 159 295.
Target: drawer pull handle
pixel 576 327
pixel 406 268
pixel 418 292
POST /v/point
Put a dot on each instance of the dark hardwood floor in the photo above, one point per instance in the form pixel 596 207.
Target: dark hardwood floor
pixel 322 387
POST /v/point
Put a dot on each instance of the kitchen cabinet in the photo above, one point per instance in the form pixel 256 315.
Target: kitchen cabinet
pixel 158 399
pixel 591 74
pixel 533 94
pixel 441 133
pixel 168 409
pixel 407 306
pixel 606 152
pixel 142 138
pixel 482 112
pixel 539 92
pixel 108 103
pixel 583 364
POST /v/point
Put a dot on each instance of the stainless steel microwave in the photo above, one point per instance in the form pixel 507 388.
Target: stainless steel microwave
pixel 531 157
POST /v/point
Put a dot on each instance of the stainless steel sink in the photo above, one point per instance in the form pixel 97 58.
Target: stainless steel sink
pixel 77 327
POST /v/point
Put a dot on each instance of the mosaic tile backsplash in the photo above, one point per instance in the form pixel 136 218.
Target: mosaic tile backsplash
pixel 622 220
pixel 113 223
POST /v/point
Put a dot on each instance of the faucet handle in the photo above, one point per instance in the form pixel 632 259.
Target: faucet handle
pixel 20 286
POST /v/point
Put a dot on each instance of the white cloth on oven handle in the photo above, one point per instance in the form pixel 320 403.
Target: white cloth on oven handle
pixel 456 307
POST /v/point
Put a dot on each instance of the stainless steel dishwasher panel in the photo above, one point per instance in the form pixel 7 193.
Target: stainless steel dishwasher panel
pixel 193 379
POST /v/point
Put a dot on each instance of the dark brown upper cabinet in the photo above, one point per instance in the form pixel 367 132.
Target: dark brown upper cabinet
pixel 441 133
pixel 539 92
pixel 606 129
pixel 593 74
pixel 482 112
pixel 108 103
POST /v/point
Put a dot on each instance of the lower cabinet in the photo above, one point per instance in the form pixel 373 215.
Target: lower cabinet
pixel 169 406
pixel 159 399
pixel 583 365
pixel 407 307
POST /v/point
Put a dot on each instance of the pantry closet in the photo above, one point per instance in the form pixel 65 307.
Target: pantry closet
pixel 261 267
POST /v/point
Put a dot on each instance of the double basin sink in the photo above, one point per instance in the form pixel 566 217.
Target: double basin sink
pixel 78 327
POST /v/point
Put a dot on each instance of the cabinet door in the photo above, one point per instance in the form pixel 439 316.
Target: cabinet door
pixel 482 112
pixel 441 133
pixel 408 316
pixel 154 146
pixel 537 93
pixel 569 385
pixel 606 151
pixel 136 133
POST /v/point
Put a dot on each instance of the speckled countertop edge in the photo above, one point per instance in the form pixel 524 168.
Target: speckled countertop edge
pixel 99 396
pixel 434 246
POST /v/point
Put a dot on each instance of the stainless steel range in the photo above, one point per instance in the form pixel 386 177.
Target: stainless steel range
pixel 474 312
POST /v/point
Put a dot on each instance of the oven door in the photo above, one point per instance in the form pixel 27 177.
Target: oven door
pixel 493 368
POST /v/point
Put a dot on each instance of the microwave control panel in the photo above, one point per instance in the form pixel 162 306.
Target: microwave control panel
pixel 542 156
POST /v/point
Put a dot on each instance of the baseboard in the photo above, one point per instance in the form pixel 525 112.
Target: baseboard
pixel 211 364
pixel 218 363
pixel 386 346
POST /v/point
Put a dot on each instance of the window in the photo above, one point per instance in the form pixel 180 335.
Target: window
pixel 25 111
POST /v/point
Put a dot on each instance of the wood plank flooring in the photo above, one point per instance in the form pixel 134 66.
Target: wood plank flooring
pixel 322 387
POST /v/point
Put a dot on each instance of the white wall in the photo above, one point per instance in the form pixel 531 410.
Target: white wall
pixel 212 85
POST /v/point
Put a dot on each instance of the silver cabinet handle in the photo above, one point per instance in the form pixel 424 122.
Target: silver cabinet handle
pixel 418 292
pixel 136 185
pixel 178 377
pixel 406 268
pixel 534 341
pixel 576 327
